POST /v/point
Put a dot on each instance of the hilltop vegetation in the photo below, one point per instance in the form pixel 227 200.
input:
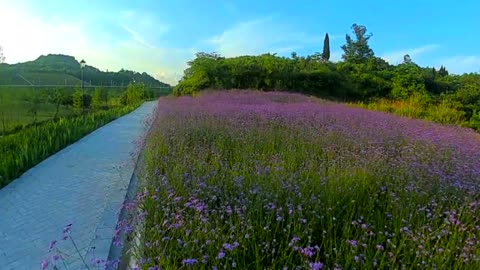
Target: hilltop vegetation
pixel 63 69
pixel 407 89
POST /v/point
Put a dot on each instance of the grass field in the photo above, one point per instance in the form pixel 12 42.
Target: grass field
pixel 17 107
pixel 16 114
pixel 18 104
pixel 250 180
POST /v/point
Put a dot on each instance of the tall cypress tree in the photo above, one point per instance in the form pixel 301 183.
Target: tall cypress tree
pixel 326 48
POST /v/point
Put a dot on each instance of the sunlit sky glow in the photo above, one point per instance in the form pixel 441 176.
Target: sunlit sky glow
pixel 159 37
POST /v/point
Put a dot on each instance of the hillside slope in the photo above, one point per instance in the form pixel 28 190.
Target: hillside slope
pixel 63 69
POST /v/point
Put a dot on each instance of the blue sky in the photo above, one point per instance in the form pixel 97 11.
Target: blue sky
pixel 159 37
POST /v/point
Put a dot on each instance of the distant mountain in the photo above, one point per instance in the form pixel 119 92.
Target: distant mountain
pixel 57 69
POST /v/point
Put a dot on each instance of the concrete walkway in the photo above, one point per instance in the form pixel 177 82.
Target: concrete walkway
pixel 83 185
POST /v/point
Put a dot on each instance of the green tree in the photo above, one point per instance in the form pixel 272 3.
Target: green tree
pixel 35 101
pixel 442 72
pixel 77 99
pixel 135 93
pixel 326 49
pixel 408 81
pixel 58 98
pixel 99 98
pixel 357 51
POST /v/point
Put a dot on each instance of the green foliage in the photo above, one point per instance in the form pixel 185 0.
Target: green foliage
pixel 357 51
pixel 446 113
pixel 474 121
pixel 135 93
pixel 99 98
pixel 78 100
pixel 193 84
pixel 28 147
pixel 421 91
pixel 34 101
pixel 442 72
pixel 407 81
pixel 21 107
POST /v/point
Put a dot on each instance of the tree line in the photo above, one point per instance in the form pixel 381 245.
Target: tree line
pixel 359 76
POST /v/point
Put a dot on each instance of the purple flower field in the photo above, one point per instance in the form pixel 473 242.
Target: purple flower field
pixel 253 180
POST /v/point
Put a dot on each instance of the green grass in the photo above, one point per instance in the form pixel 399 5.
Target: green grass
pixel 442 113
pixel 12 78
pixel 15 115
pixel 17 104
pixel 26 148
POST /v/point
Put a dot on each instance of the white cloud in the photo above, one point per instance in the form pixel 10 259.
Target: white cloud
pixel 259 36
pixel 25 36
pixel 137 37
pixel 396 57
pixel 461 64
pixel 336 56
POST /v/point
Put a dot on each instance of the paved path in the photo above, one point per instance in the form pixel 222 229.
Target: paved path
pixel 84 184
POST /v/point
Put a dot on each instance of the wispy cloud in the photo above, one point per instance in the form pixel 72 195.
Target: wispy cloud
pixel 259 36
pixel 396 57
pixel 461 64
pixel 137 37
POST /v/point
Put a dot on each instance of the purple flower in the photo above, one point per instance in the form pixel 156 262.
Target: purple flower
pixel 380 247
pixel 44 264
pixel 67 228
pixel 221 255
pixel 52 244
pixel 352 243
pixel 308 251
pixel 200 207
pixel 97 262
pixel 230 247
pixel 316 265
pixel 189 262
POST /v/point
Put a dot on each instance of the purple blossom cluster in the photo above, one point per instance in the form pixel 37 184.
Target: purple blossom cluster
pixel 245 179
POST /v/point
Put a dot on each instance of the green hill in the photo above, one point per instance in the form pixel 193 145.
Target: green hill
pixel 63 69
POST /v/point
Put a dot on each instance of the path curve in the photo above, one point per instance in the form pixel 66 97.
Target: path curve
pixel 84 184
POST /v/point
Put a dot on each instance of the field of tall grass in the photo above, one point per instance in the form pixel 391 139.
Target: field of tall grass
pixel 250 180
pixel 414 107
